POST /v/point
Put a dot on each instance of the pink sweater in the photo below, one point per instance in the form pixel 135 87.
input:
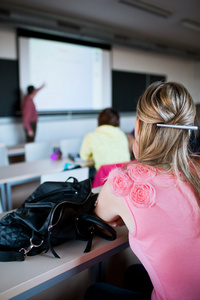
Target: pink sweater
pixel 166 238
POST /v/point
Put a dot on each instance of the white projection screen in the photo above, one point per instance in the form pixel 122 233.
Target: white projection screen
pixel 77 77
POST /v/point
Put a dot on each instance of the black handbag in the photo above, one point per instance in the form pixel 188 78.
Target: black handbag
pixel 54 213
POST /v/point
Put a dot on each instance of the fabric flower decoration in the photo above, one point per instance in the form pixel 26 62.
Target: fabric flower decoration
pixel 139 172
pixel 143 195
pixel 121 183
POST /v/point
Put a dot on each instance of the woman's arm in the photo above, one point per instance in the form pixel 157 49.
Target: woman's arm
pixel 112 209
pixel 107 208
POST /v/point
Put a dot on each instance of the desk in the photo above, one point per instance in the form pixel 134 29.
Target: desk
pixel 26 171
pixel 42 271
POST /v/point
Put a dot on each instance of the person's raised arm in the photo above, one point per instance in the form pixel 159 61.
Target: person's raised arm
pixel 37 90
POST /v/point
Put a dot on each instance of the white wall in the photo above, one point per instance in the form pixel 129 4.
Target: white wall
pixel 128 59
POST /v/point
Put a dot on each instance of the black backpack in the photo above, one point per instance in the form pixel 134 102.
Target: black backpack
pixel 54 213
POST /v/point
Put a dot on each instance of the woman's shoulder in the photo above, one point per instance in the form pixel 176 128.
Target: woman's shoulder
pixel 130 173
pixel 134 180
pixel 135 171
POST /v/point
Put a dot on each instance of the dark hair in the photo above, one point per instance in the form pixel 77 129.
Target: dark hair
pixel 30 89
pixel 108 116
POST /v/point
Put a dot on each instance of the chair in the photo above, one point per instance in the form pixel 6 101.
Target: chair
pixel 3 156
pixel 102 174
pixel 71 145
pixel 37 151
pixel 80 174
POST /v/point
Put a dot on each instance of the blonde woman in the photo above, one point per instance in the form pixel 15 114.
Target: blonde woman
pixel 158 199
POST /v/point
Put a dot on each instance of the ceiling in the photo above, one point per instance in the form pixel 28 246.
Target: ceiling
pixel 113 21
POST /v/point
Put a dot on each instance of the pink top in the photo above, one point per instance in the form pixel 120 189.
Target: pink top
pixel 29 112
pixel 166 237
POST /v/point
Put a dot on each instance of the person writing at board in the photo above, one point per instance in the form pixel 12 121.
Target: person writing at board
pixel 29 113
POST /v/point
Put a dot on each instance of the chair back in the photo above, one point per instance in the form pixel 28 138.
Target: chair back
pixel 80 174
pixel 71 145
pixel 4 161
pixel 37 151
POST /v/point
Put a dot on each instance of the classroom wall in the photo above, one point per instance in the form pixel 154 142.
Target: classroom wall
pixel 127 59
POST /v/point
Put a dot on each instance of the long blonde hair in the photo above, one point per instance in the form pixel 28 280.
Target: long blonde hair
pixel 167 148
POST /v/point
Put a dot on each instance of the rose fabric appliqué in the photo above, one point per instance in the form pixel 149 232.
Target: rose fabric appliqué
pixel 143 195
pixel 138 172
pixel 121 182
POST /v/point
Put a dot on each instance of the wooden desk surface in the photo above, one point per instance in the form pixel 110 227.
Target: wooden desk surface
pixel 20 280
pixel 27 170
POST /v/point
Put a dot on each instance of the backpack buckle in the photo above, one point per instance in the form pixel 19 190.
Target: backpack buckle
pixel 27 250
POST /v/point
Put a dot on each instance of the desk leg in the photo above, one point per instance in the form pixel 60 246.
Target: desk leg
pixel 98 272
pixel 9 197
pixel 3 196
pixel 9 190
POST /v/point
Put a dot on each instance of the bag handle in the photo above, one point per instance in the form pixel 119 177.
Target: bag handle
pixel 75 180
pixel 46 195
pixel 97 221
pixel 96 224
pixel 53 192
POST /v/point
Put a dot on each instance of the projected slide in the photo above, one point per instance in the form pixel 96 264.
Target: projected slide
pixel 76 77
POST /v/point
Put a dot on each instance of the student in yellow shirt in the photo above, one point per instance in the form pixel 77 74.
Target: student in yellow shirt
pixel 108 144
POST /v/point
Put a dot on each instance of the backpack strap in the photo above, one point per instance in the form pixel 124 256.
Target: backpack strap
pixel 18 255
pixel 87 225
pixel 12 255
